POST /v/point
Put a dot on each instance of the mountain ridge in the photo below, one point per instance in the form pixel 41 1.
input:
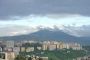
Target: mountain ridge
pixel 46 34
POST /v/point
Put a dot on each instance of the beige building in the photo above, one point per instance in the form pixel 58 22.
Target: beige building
pixel 22 49
pixel 7 56
pixel 47 45
pixel 52 47
pixel 44 58
pixel 75 46
pixel 44 47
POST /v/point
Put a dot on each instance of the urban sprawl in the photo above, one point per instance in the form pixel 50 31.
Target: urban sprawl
pixel 11 49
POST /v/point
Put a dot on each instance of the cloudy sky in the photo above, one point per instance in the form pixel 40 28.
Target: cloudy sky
pixel 23 16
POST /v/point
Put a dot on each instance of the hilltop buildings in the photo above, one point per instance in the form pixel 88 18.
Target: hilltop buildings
pixel 29 46
pixel 10 49
pixel 60 45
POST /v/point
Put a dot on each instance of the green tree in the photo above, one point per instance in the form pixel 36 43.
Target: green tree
pixel 40 59
pixel 51 59
pixel 19 57
pixel 29 58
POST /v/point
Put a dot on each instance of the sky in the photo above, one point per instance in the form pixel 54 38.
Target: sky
pixel 24 16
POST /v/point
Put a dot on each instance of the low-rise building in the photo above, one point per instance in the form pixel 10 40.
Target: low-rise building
pixel 33 57
pixel 29 49
pixel 6 49
pixel 39 48
pixel 44 58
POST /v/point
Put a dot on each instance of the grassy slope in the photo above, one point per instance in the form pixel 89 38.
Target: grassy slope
pixel 63 55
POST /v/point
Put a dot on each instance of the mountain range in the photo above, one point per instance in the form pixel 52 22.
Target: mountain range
pixel 49 34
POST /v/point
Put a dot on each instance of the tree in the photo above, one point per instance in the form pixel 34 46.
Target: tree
pixel 51 59
pixel 40 59
pixel 29 58
pixel 19 57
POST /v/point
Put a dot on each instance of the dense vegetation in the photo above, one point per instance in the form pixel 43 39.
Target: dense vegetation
pixel 20 57
pixel 65 54
pixel 87 48
pixel 58 55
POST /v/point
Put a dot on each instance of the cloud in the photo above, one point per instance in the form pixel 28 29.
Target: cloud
pixel 9 8
pixel 80 31
pixel 12 30
pixel 49 20
pixel 74 24
pixel 16 30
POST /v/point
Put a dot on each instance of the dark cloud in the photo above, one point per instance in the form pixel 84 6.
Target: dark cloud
pixel 10 8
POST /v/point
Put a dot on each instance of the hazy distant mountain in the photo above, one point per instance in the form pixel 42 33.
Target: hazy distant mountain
pixel 47 34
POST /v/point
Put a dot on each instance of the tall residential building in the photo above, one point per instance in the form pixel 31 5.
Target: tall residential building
pixel 44 47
